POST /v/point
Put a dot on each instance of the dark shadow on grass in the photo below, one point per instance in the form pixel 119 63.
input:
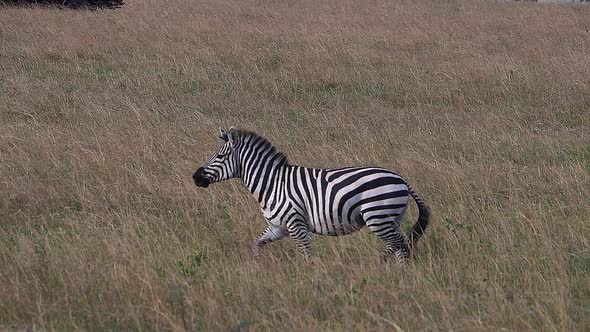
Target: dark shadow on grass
pixel 65 4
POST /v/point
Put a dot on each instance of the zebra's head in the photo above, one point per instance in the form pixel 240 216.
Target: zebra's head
pixel 224 164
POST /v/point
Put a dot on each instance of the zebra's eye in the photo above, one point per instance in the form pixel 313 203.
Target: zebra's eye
pixel 222 155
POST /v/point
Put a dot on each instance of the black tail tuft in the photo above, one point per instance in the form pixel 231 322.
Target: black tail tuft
pixel 423 218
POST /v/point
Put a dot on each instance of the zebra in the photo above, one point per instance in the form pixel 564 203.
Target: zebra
pixel 297 201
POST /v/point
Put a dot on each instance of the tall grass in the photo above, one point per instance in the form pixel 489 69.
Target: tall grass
pixel 104 115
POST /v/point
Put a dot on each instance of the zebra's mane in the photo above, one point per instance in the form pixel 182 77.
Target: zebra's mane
pixel 254 137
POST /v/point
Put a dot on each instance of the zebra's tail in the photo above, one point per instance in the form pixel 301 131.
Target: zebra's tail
pixel 423 216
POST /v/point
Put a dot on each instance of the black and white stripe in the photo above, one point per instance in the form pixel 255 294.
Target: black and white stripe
pixel 297 200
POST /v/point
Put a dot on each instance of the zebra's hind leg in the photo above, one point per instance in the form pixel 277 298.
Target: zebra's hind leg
pixel 270 234
pixel 395 241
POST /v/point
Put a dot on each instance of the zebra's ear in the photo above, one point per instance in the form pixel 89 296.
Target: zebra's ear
pixel 222 134
pixel 232 136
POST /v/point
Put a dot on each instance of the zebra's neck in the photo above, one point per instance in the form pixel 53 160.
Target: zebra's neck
pixel 265 182
pixel 263 171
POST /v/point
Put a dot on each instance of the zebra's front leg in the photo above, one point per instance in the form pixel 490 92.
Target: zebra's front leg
pixel 299 232
pixel 270 234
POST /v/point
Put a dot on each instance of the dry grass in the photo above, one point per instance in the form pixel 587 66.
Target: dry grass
pixel 484 107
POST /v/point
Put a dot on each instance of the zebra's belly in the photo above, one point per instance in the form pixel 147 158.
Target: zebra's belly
pixel 337 228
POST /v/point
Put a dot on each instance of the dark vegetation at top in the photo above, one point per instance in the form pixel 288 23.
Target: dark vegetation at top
pixel 69 4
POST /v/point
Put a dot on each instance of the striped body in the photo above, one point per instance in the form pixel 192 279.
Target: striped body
pixel 298 200
pixel 337 201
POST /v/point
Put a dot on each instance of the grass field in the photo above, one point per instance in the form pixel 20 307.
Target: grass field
pixel 483 106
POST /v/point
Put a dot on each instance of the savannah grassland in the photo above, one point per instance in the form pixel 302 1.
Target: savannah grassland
pixel 484 107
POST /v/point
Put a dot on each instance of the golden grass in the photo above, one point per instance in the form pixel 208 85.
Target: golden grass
pixel 104 115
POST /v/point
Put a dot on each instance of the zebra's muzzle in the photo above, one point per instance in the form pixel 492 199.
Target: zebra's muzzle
pixel 200 180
